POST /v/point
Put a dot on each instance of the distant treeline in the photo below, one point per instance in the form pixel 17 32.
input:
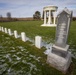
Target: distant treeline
pixel 74 18
pixel 7 19
pixel 15 19
pixel 22 19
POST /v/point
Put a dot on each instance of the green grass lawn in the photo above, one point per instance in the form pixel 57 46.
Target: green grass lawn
pixel 32 28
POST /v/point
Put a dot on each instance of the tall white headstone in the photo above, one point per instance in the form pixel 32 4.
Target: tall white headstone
pixel 38 41
pixel 15 34
pixel 5 30
pixel 9 32
pixel 23 36
pixel 2 29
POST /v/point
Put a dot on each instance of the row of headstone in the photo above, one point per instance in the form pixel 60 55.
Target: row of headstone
pixel 38 39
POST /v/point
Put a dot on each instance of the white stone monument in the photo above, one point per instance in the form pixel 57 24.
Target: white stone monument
pixel 2 29
pixel 15 34
pixel 9 32
pixel 5 30
pixel 38 42
pixel 50 10
pixel 23 36
pixel 60 57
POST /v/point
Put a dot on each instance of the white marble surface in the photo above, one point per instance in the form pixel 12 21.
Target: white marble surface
pixel 15 34
pixel 38 41
pixel 23 36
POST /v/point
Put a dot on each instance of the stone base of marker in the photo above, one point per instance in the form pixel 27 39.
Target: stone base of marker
pixel 60 61
pixel 60 50
pixel 49 25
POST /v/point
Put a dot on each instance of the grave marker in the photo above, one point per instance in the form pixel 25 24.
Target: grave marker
pixel 6 30
pixel 2 29
pixel 60 57
pixel 9 32
pixel 23 36
pixel 15 34
pixel 38 41
pixel 63 24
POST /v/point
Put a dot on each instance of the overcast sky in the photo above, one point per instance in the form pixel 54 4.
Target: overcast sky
pixel 26 8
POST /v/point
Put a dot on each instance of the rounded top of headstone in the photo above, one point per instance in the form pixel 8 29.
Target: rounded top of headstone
pixel 52 8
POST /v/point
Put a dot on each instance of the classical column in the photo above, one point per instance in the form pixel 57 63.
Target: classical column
pixel 49 17
pixel 44 17
pixel 54 17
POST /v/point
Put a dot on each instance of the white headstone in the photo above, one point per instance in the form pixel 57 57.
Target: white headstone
pixel 38 41
pixel 15 34
pixel 23 36
pixel 5 30
pixel 2 29
pixel 9 32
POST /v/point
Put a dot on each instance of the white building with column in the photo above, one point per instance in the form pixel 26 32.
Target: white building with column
pixel 49 16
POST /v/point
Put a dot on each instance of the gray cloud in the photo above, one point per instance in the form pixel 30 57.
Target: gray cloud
pixel 26 8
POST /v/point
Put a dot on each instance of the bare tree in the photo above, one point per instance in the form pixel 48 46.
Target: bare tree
pixel 9 15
